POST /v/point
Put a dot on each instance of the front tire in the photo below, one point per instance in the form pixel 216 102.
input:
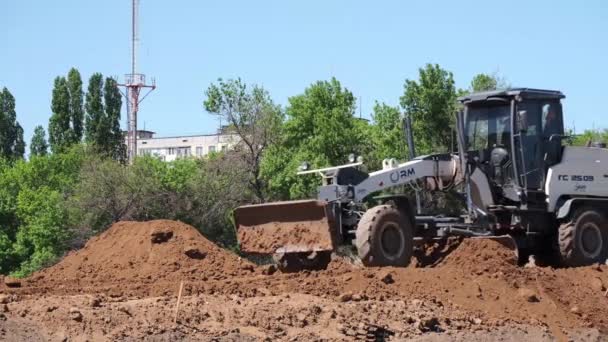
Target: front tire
pixel 584 240
pixel 384 237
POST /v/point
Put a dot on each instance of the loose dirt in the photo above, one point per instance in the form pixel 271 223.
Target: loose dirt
pixel 123 286
pixel 136 256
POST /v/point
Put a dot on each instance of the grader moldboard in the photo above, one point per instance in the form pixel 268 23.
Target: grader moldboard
pixel 518 183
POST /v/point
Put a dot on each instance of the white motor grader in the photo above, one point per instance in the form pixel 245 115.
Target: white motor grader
pixel 518 183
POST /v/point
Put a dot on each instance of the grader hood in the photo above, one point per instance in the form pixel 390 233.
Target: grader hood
pixel 285 227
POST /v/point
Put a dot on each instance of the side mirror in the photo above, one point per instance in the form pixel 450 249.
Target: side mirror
pixel 522 121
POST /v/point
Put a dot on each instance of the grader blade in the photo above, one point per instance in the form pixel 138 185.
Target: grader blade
pixel 285 227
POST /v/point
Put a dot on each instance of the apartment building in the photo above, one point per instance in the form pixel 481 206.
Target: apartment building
pixel 171 148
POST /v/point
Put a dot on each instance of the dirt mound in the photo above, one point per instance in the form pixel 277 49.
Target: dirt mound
pixel 132 272
pixel 481 256
pixel 151 251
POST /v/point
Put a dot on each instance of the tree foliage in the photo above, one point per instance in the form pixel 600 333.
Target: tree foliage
pixel 39 146
pixel 74 84
pixel 321 129
pixel 590 136
pixel 96 131
pixel 199 192
pixel 485 82
pixel 387 135
pixel 12 145
pixel 65 124
pixel 116 148
pixel 34 225
pixel 102 124
pixel 252 114
pixel 431 103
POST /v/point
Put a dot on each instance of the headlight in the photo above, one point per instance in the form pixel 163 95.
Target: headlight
pixel 360 159
pixel 352 158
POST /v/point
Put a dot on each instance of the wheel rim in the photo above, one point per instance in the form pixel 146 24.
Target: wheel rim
pixel 591 240
pixel 391 240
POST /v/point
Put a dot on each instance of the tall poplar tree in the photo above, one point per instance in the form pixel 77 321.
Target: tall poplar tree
pixel 12 145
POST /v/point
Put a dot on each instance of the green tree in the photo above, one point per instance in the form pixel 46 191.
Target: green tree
pixel 95 121
pixel 254 117
pixel 60 132
pixel 321 129
pixel 12 145
pixel 431 102
pixel 39 146
pixel 42 235
pixel 74 83
pixel 65 124
pixel 116 148
pixel 485 82
pixel 387 135
pixel 34 218
pixel 590 136
pixel 102 124
pixel 200 192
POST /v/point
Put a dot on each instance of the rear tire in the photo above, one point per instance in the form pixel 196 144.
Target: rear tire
pixel 584 240
pixel 384 237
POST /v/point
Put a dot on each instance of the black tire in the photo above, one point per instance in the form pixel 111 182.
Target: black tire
pixel 584 240
pixel 295 262
pixel 384 237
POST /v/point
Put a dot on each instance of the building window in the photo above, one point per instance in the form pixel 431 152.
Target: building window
pixel 171 151
pixel 211 148
pixel 144 151
pixel 224 147
pixel 199 151
pixel 183 151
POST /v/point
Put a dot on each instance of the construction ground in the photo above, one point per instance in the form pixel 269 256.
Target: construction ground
pixel 124 285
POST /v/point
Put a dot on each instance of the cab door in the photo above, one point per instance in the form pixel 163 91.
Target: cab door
pixel 528 144
pixel 540 143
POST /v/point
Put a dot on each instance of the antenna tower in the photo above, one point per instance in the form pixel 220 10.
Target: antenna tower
pixel 134 83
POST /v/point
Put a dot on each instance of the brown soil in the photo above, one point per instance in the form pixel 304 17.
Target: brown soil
pixel 123 286
pixel 137 254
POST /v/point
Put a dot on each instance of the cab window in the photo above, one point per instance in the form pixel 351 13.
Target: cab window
pixel 488 127
pixel 544 120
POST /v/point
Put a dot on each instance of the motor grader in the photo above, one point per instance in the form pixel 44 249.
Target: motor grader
pixel 517 180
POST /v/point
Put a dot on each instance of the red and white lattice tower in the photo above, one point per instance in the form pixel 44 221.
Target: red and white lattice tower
pixel 134 83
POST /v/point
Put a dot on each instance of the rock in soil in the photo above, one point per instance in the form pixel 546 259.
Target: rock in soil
pixel 12 282
pixel 345 297
pixel 75 315
pixel 387 278
pixel 528 295
pixel 597 284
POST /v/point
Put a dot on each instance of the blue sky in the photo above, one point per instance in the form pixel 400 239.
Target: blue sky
pixel 370 46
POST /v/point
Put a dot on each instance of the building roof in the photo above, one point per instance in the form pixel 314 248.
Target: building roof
pixel 139 131
pixel 189 136
pixel 529 93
